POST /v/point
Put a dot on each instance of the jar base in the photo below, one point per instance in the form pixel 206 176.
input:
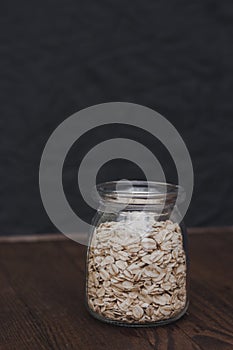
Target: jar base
pixel 152 324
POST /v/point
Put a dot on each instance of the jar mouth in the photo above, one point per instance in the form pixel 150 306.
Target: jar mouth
pixel 140 192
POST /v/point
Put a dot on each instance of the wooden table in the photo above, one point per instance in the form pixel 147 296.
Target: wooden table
pixel 42 300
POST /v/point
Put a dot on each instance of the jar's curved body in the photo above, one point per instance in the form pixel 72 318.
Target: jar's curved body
pixel 137 266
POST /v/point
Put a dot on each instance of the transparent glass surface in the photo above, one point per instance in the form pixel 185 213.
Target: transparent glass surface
pixel 137 263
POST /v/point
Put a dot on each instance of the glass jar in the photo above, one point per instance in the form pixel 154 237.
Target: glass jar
pixel 136 271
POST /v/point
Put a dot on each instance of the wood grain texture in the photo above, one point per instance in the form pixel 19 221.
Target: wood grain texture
pixel 60 237
pixel 42 301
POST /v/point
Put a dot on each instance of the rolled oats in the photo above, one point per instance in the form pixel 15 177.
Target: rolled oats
pixel 137 275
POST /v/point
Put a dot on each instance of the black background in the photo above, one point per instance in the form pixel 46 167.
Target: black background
pixel 57 57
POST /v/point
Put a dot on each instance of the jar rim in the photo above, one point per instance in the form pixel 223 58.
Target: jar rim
pixel 139 191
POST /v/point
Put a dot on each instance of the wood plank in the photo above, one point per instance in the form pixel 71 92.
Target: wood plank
pixel 19 328
pixel 60 237
pixel 42 291
pixel 210 318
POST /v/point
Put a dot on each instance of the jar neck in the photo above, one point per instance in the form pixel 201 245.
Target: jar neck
pixel 159 213
pixel 116 207
pixel 138 196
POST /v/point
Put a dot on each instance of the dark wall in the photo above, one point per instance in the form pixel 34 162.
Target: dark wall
pixel 57 57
